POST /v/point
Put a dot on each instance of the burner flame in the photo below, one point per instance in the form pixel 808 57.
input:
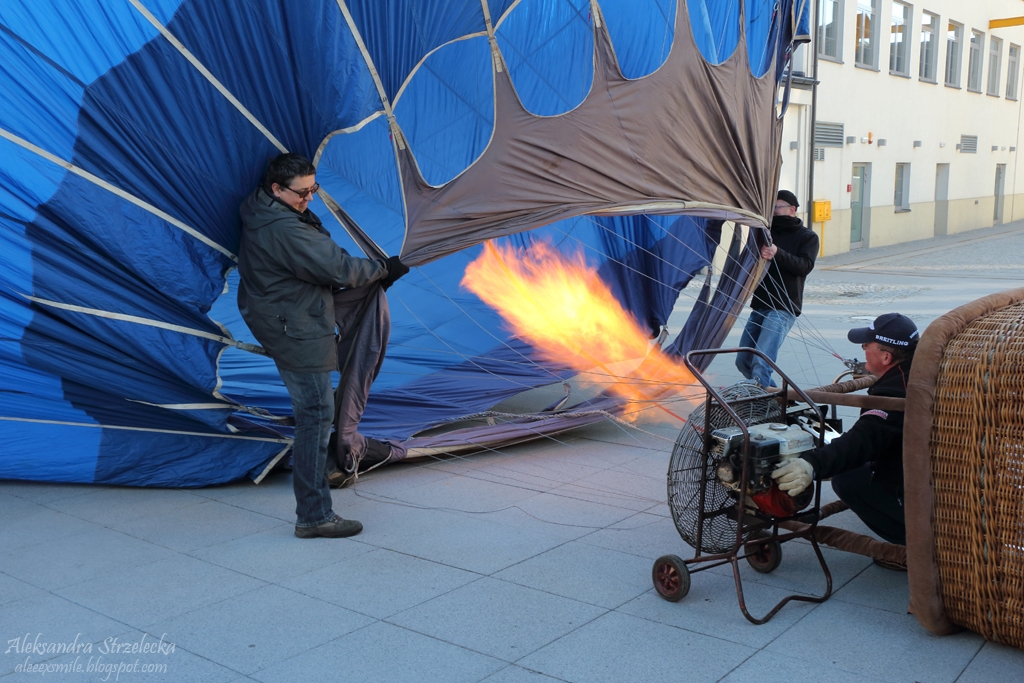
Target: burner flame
pixel 560 305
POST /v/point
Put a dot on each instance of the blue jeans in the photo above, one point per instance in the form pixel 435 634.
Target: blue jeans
pixel 765 331
pixel 313 405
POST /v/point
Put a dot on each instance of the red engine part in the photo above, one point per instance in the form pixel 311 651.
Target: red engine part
pixel 775 502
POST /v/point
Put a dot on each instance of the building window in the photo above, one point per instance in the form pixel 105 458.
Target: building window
pixel 901 196
pixel 867 34
pixel 899 42
pixel 974 61
pixel 954 54
pixel 830 30
pixel 1012 72
pixel 929 47
pixel 995 63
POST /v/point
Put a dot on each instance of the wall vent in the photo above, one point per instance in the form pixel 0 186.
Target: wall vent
pixel 828 134
pixel 819 154
pixel 968 144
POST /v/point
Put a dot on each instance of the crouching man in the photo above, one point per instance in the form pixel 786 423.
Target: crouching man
pixel 289 268
pixel 866 462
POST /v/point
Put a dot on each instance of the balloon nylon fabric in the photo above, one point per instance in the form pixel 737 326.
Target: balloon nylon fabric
pixel 130 132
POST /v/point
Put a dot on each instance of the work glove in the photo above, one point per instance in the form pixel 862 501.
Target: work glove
pixel 794 475
pixel 396 269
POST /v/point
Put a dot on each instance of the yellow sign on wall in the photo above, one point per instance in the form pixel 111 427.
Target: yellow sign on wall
pixel 821 211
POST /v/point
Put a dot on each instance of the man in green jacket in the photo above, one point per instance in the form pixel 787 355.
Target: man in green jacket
pixel 289 268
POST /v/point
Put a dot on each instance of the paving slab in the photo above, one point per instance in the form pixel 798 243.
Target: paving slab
pixel 876 643
pixel 100 665
pixel 119 508
pixel 995 663
pixel 656 653
pixel 112 659
pixel 711 608
pixel 41 627
pixel 878 587
pixel 616 487
pixel 765 666
pixel 538 471
pixel 393 479
pixel 800 571
pixel 380 583
pixel 80 557
pixel 642 534
pixel 476 496
pixel 497 618
pixel 158 591
pixel 273 555
pixel 252 641
pixel 483 543
pixel 12 589
pixel 26 523
pixel 39 492
pixel 384 652
pixel 198 526
pixel 561 508
pixel 517 674
pixel 272 497
pixel 587 573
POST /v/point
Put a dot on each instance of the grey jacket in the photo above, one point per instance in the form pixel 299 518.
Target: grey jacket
pixel 289 267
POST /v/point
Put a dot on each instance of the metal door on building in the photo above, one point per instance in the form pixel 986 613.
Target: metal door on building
pixel 941 199
pixel 997 214
pixel 859 204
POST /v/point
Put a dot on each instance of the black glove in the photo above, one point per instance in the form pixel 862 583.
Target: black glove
pixel 396 269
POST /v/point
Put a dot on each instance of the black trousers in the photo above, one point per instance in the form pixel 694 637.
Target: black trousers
pixel 877 506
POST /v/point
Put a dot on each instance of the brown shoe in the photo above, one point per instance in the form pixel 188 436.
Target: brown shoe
pixel 336 527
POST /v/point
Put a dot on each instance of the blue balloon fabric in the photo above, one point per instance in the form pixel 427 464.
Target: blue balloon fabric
pixel 131 131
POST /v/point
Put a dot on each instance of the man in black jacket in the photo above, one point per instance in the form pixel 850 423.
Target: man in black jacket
pixel 866 462
pixel 778 299
pixel 289 268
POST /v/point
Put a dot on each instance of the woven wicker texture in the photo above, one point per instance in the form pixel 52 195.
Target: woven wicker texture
pixel 977 454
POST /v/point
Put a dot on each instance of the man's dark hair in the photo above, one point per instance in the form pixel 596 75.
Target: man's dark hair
pixel 284 167
pixel 899 353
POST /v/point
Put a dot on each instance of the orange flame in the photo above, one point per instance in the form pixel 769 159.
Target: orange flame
pixel 561 306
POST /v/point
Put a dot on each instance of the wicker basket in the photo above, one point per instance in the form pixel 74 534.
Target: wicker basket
pixel 964 467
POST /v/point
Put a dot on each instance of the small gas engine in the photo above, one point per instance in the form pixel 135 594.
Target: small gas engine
pixel 770 444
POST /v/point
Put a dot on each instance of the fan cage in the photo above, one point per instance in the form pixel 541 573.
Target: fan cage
pixel 685 467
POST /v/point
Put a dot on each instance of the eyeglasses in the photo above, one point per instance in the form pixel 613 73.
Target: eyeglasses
pixel 878 347
pixel 304 194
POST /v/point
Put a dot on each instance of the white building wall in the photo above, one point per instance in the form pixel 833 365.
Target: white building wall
pixel 899 110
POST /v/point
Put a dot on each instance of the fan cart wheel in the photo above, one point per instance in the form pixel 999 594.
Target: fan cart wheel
pixel 671 578
pixel 765 553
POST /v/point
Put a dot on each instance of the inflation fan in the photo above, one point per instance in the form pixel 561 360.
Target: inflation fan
pixel 723 500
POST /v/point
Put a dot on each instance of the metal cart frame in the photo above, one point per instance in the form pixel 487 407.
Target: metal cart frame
pixel 672 575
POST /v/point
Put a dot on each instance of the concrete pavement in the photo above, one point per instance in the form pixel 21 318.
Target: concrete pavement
pixel 528 564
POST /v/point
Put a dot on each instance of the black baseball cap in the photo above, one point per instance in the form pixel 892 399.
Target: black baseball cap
pixel 789 198
pixel 891 329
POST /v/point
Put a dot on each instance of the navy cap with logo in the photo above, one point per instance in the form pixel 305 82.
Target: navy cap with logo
pixel 891 329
